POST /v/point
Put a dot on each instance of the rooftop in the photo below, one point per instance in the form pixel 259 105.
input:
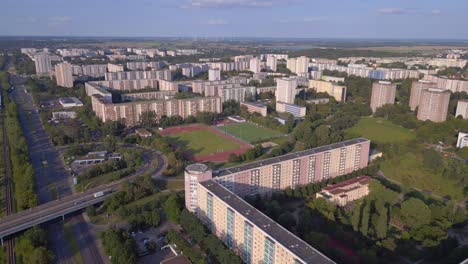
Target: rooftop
pixel 295 155
pixel 301 249
pixel 346 185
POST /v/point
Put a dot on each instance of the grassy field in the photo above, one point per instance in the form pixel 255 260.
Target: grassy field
pixel 408 170
pixel 380 131
pixel 250 132
pixel 201 142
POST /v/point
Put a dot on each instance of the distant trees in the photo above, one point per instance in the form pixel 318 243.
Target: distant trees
pixel 31 247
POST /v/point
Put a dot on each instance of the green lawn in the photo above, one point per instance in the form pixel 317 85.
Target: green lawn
pixel 380 131
pixel 201 142
pixel 408 170
pixel 250 132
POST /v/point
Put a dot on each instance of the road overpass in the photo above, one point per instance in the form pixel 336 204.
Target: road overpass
pixel 23 220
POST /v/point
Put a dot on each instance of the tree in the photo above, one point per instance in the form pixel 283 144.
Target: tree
pixel 148 119
pixel 91 210
pixel 381 225
pixel 172 208
pixel 356 216
pixel 415 213
pixel 365 218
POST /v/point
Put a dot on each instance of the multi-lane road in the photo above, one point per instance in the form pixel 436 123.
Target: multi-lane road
pixel 41 149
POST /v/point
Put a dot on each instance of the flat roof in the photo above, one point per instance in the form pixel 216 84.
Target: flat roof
pixel 256 104
pixel 294 155
pixel 301 249
pixel 341 186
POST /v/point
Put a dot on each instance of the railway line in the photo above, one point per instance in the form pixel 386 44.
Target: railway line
pixel 7 182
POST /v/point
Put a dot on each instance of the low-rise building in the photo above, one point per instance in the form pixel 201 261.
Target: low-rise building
pixel 68 102
pixel 63 115
pixel 143 133
pixel 255 107
pixel 295 110
pixel 462 139
pixel 347 191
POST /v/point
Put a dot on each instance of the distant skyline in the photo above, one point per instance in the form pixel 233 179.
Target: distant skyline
pixel 372 19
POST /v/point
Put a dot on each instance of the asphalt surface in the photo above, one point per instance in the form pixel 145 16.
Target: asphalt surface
pixel 41 149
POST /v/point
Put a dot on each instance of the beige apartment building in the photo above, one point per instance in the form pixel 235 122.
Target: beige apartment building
pixel 255 107
pixel 433 105
pixel 64 74
pixel 347 191
pixel 416 88
pixel 130 112
pixel 115 67
pixel 336 91
pixel 382 93
pixel 286 90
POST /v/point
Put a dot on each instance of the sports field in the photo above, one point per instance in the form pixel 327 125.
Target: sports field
pixel 380 130
pixel 204 143
pixel 249 132
pixel 201 142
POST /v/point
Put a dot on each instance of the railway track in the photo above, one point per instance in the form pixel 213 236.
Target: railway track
pixel 7 182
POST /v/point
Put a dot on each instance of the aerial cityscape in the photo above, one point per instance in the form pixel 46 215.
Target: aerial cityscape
pixel 234 131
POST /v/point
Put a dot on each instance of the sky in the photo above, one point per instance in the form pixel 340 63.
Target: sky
pixel 395 19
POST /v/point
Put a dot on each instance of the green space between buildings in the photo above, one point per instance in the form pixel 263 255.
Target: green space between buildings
pixel 380 130
pixel 249 132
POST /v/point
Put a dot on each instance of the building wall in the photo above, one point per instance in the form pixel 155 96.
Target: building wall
pixel 286 90
pixel 416 88
pixel 448 84
pixel 328 164
pixel 462 109
pixel 382 93
pixel 336 91
pixel 130 112
pixel 433 105
pixel 262 110
pixel 63 74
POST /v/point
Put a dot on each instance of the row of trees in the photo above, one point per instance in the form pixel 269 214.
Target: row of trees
pixel 31 247
pixel 119 246
pixel 22 169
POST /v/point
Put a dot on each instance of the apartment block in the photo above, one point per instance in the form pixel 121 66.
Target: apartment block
pixel 156 95
pixel 240 93
pixel 298 65
pixel 122 85
pixel 271 63
pixel 295 110
pixel 115 67
pixel 347 191
pixel 42 63
pixel 462 141
pixel 336 91
pixel 255 65
pixel 448 84
pixel 200 86
pixel 433 105
pixel 462 109
pixel 139 75
pixel 286 90
pixel 216 197
pixel 143 65
pixel 416 88
pixel 64 74
pixel 255 107
pixel 382 93
pixel 130 112
pixel 214 74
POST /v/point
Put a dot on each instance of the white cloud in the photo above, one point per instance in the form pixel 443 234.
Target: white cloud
pixel 313 19
pixel 229 3
pixel 58 20
pixel 216 22
pixel 392 11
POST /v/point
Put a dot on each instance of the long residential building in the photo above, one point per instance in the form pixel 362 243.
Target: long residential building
pixel 368 72
pixel 130 112
pixel 382 93
pixel 216 197
pixel 336 91
pixel 139 75
pixel 124 85
pixel 256 107
pixel 143 65
pixel 448 84
pixel 209 88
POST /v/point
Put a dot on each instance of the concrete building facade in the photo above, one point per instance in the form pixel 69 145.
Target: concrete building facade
pixel 433 105
pixel 382 93
pixel 255 107
pixel 347 191
pixel 214 74
pixel 42 63
pixel 286 90
pixel 416 87
pixel 64 74
pixel 216 197
pixel 462 109
pixel 336 91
